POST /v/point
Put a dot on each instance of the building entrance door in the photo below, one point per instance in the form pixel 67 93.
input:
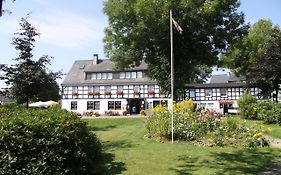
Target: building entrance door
pixel 134 105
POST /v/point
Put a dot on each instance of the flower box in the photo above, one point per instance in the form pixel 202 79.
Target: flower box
pixel 136 92
pixel 107 92
pixel 93 93
pixel 74 93
pixel 119 92
pixel 150 92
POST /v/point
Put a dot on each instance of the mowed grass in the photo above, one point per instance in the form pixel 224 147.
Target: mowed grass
pixel 128 151
pixel 275 129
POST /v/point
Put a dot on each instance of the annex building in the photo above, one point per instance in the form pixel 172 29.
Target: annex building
pixel 93 85
pixel 221 93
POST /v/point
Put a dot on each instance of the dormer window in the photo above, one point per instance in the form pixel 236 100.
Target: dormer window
pixel 139 74
pixel 129 75
pixel 98 76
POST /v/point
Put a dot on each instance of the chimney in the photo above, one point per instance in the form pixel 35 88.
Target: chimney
pixel 95 58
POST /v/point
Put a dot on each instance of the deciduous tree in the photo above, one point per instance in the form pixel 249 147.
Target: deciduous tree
pixel 29 79
pixel 265 72
pixel 139 30
pixel 241 55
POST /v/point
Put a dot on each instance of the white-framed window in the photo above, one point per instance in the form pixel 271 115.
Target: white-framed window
pixel 208 92
pixel 103 76
pixel 223 92
pixel 94 76
pixel 96 88
pixel 134 75
pixel 192 93
pixel 93 105
pixel 107 88
pixel 151 88
pixel 98 76
pixel 139 74
pixel 114 105
pixel 136 87
pixel 73 105
pixel 122 75
pixel 74 89
pixel 119 88
pixel 109 75
pixel 128 74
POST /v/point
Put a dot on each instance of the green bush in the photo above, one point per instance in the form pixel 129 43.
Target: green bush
pixel 269 112
pixel 247 107
pixel 52 141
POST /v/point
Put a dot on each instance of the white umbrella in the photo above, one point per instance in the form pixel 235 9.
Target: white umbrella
pixel 38 104
pixel 51 103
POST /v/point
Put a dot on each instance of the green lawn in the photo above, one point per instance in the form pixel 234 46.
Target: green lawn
pixel 127 151
pixel 275 129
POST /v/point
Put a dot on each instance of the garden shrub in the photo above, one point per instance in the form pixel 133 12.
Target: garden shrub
pixel 247 107
pixel 46 141
pixel 269 112
pixel 159 125
pixel 206 127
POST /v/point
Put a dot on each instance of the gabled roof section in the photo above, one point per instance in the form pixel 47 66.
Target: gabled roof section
pixel 107 66
pixel 77 73
pixel 219 78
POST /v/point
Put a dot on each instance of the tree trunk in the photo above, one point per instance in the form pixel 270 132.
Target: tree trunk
pixel 27 101
pixel 276 97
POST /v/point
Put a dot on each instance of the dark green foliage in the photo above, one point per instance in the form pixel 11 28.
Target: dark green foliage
pixel 53 141
pixel 265 72
pixel 247 107
pixel 139 30
pixel 269 112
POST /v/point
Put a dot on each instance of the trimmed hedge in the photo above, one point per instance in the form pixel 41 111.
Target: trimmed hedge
pixel 52 141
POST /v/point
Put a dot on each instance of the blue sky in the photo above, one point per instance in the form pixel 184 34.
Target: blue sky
pixel 72 30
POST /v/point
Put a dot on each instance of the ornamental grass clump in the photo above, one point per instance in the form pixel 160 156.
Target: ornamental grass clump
pixel 46 141
pixel 198 125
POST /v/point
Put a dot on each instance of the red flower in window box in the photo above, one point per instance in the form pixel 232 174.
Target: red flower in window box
pixel 107 92
pixel 119 92
pixel 136 92
pixel 74 93
pixel 150 92
pixel 93 93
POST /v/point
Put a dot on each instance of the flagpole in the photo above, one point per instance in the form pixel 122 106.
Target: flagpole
pixel 172 75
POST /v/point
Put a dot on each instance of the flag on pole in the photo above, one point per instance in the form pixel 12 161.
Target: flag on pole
pixel 177 26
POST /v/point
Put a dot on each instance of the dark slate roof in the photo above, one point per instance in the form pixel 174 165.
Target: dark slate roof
pixel 224 78
pixel 76 75
pixel 216 85
pixel 219 78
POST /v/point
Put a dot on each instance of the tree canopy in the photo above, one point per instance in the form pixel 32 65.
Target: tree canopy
pixel 29 79
pixel 139 30
pixel 265 72
pixel 256 57
pixel 241 55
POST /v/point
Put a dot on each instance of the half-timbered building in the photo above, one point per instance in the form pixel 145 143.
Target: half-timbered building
pixel 221 93
pixel 93 85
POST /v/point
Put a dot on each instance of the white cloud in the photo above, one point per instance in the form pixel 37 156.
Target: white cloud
pixel 67 29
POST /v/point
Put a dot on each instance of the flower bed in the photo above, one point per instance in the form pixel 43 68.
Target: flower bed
pixel 200 126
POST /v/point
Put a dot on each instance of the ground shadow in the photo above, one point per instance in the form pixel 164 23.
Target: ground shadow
pixel 108 165
pixel 117 144
pixel 242 161
pixel 188 165
pixel 102 128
